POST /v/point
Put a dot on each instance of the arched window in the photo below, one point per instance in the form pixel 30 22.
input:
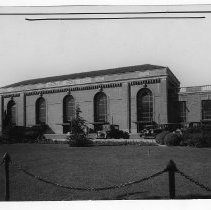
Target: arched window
pixel 11 112
pixel 144 106
pixel 100 107
pixel 206 109
pixel 68 108
pixel 40 110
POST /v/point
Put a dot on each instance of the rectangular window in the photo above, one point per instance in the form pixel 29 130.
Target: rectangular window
pixel 206 110
pixel 182 111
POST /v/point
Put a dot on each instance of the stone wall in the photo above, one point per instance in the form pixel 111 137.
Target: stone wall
pixel 193 104
pixel 121 91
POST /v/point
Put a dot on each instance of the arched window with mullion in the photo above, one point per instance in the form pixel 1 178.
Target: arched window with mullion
pixel 40 110
pixel 11 112
pixel 206 109
pixel 144 106
pixel 68 108
pixel 100 108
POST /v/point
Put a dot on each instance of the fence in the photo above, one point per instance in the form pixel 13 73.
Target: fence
pixel 171 169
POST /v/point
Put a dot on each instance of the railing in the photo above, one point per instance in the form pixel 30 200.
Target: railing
pixel 171 169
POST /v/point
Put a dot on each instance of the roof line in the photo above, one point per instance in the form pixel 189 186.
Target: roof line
pixel 111 71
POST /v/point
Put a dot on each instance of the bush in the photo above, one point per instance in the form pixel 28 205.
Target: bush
pixel 117 134
pixel 125 135
pixel 160 137
pixel 195 140
pixel 193 130
pixel 172 139
pixel 102 135
pixel 196 137
pixel 91 130
pixel 14 134
pixel 79 140
pixel 198 140
pixel 207 138
pixel 4 139
pixel 21 134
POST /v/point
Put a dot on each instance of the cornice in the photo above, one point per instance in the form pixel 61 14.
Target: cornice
pixel 69 89
pixel 148 81
pixel 81 88
pixel 12 95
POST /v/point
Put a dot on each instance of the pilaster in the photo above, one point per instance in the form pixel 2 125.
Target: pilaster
pixel 1 113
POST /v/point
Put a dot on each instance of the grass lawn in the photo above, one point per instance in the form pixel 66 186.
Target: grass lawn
pixel 101 166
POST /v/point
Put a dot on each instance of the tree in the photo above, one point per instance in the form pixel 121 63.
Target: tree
pixel 78 136
pixel 78 123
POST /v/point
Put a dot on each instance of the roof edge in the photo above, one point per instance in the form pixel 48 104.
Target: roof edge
pixel 110 71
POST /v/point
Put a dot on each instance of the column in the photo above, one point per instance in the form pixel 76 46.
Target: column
pixel 1 113
pixel 126 113
pixel 22 110
pixel 133 108
pixel 164 101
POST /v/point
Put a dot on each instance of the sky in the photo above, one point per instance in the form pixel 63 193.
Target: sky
pixel 37 49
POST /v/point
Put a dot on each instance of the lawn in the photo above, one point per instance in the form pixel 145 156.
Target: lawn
pixel 101 166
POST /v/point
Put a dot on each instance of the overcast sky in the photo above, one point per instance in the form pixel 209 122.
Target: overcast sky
pixel 45 48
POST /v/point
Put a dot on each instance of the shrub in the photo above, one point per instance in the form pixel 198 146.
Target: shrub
pixel 207 138
pixel 172 139
pixel 4 139
pixel 91 130
pixel 126 135
pixel 206 132
pixel 196 140
pixel 22 134
pixel 13 134
pixel 193 130
pixel 78 137
pixel 79 140
pixel 102 135
pixel 196 137
pixel 117 134
pixel 160 137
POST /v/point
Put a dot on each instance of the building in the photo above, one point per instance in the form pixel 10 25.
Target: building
pixel 195 104
pixel 129 97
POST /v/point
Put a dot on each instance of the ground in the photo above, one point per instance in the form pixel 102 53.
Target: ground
pixel 101 166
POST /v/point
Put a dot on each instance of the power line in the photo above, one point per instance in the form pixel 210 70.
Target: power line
pixel 110 13
pixel 113 18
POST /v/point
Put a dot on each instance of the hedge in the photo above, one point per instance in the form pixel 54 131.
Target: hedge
pixel 160 137
pixel 172 139
pixel 78 140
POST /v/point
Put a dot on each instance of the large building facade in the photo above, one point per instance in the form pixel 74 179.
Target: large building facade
pixel 129 97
